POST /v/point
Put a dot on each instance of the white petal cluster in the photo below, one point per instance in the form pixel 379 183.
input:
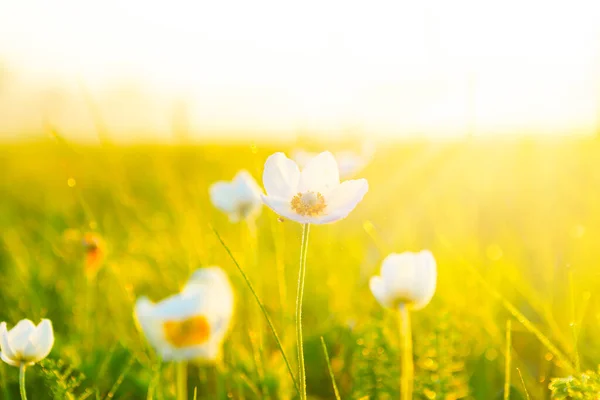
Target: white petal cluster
pixel 192 324
pixel 239 199
pixel 314 195
pixel 26 344
pixel 406 279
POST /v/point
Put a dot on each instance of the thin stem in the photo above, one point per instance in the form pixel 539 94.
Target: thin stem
pixel 508 361
pixel 573 323
pixel 335 389
pixel 407 374
pixel 523 382
pixel 182 380
pixel 22 369
pixel 299 298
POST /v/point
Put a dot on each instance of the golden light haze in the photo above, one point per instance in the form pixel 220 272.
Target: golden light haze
pixel 275 69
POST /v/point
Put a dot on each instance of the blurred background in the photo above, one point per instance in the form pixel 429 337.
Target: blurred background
pixel 117 116
pixel 163 71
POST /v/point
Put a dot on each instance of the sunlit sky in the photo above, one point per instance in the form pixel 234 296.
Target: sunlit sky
pixel 398 68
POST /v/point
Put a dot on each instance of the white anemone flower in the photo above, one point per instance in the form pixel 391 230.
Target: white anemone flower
pixel 190 325
pixel 407 279
pixel 239 199
pixel 26 344
pixel 313 196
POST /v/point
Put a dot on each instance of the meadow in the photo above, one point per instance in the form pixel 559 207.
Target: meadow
pixel 514 225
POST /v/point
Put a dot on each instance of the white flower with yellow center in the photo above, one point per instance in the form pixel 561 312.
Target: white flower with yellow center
pixel 26 344
pixel 239 199
pixel 313 196
pixel 407 279
pixel 190 325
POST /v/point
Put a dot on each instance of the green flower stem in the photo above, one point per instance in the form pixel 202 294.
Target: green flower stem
pixel 22 369
pixel 407 375
pixel 299 298
pixel 182 380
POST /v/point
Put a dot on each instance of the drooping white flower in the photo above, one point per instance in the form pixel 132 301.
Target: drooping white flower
pixel 313 196
pixel 239 199
pixel 190 325
pixel 406 279
pixel 26 344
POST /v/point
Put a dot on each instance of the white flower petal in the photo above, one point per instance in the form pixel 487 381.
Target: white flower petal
pixel 179 306
pixel 40 342
pixel 222 195
pixel 239 199
pixel 217 293
pixel 398 272
pixel 344 198
pixel 246 186
pixel 321 174
pixel 378 289
pixel 208 275
pixel 282 207
pixel 151 325
pixel 9 361
pixel 427 277
pixel 45 338
pixel 192 353
pixel 7 353
pixel 281 176
pixel 18 337
pixel 409 278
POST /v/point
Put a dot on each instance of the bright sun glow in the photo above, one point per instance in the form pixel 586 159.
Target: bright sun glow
pixel 391 68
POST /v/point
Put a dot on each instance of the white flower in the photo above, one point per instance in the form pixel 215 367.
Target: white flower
pixel 313 196
pixel 26 344
pixel 240 198
pixel 190 325
pixel 406 279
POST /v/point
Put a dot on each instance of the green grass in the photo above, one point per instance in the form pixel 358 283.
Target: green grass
pixel 514 227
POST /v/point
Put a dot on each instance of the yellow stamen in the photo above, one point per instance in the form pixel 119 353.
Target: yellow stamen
pixel 188 332
pixel 309 203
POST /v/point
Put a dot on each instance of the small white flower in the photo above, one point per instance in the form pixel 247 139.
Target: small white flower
pixel 349 162
pixel 190 325
pixel 313 196
pixel 240 198
pixel 406 279
pixel 26 344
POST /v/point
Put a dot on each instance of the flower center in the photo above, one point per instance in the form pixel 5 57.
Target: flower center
pixel 308 203
pixel 244 209
pixel 189 332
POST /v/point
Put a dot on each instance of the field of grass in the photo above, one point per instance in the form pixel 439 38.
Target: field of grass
pixel 514 226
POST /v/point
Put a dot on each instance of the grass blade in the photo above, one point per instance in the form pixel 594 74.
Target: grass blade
pixel 335 389
pixel 564 360
pixel 120 379
pixel 523 382
pixel 262 307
